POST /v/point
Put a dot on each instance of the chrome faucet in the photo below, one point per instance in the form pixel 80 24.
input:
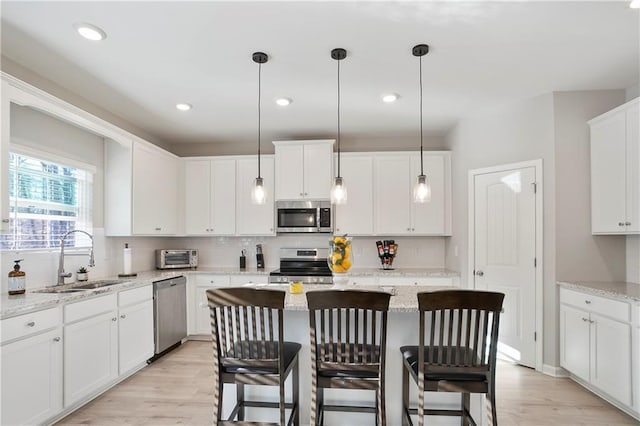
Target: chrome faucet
pixel 61 273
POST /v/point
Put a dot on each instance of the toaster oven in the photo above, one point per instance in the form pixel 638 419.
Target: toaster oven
pixel 176 258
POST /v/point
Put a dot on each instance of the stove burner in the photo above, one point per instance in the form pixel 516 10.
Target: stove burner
pixel 308 265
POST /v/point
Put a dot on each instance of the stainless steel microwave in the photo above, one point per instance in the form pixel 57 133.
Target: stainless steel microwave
pixel 176 258
pixel 304 216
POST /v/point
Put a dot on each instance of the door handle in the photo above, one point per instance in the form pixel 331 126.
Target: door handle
pixel 479 273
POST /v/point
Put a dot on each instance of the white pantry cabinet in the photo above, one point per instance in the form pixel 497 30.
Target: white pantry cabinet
pixel 90 347
pixel 135 328
pixel 303 169
pixel 31 358
pixel 254 219
pixel 141 189
pixel 210 192
pixel 595 343
pixel 615 170
pixel 356 217
pixel 394 177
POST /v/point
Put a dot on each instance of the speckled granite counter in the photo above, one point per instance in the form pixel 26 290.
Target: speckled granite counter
pixel 33 300
pixel 618 290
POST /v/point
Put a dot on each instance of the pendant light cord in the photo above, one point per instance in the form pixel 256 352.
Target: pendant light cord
pixel 259 99
pixel 421 156
pixel 338 118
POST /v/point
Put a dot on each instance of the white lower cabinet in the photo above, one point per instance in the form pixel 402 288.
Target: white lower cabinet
pixel 595 343
pixel 31 371
pixel 90 355
pixel 135 328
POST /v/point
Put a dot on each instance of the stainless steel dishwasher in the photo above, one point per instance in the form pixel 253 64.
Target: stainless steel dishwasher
pixel 169 313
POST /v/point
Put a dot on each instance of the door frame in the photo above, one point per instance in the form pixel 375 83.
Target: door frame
pixel 539 270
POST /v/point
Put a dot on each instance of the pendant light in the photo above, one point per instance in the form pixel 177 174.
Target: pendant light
pixel 258 192
pixel 422 188
pixel 339 189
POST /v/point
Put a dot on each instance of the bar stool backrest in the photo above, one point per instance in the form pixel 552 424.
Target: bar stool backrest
pixel 348 329
pixel 459 331
pixel 247 327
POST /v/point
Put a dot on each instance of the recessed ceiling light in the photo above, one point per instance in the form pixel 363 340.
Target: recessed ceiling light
pixel 184 107
pixel 283 101
pixel 89 31
pixel 391 97
pixel 635 4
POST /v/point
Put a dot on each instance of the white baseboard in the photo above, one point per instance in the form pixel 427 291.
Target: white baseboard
pixel 552 371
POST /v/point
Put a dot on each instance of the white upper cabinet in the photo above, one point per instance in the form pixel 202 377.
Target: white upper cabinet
pixel 356 217
pixel 141 189
pixel 155 191
pixel 395 212
pixel 254 219
pixel 615 171
pixel 210 191
pixel 303 169
pixel 5 137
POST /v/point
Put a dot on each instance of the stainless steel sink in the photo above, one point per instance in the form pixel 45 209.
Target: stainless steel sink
pixel 98 284
pixel 60 290
pixel 79 288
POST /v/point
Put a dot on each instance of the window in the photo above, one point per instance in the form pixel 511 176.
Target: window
pixel 46 200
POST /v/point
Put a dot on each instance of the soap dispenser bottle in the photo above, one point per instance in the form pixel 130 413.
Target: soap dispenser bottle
pixel 17 279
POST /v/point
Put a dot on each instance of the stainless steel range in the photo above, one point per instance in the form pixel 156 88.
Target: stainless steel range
pixel 308 265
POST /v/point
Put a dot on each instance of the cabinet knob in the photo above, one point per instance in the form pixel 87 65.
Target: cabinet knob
pixel 628 223
pixel 114 319
pixel 56 339
pixel 413 229
pixel 158 229
pixel 408 229
pixel 588 302
pixel 585 319
pixel 31 324
pixel 123 316
pixel 301 194
pixel 5 220
pixel 479 273
pixel 620 223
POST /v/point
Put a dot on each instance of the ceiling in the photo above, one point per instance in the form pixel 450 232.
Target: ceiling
pixel 483 55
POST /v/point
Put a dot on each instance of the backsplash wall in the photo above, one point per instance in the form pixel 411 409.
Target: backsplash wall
pixel 41 267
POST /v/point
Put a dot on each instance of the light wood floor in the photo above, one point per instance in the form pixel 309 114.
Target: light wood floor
pixel 177 390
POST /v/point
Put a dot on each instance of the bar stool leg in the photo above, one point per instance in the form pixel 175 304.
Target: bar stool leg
pixel 295 391
pixel 240 399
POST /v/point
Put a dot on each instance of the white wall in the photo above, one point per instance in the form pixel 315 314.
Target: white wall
pixel 581 256
pixel 633 259
pixel 551 127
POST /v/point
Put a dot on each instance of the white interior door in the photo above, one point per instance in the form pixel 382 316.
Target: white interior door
pixel 504 254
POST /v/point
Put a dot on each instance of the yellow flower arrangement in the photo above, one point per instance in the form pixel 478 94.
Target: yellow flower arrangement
pixel 340 254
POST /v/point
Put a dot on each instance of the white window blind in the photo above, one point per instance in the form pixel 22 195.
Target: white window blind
pixel 47 199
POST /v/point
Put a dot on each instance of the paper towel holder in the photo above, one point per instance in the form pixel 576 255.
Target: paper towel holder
pixel 126 258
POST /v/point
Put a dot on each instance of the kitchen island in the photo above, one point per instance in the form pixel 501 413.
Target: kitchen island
pixel 402 330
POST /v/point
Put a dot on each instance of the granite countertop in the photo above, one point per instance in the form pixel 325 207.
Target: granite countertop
pixel 33 300
pixel 403 298
pixel 618 290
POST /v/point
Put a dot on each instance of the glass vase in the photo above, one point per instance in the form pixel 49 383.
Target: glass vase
pixel 340 259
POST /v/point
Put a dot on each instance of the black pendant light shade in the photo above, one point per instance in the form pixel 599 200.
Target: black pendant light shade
pixel 258 192
pixel 339 189
pixel 422 188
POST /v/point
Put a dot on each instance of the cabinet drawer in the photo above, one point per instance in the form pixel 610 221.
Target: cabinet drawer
pixel 611 308
pixel 211 280
pixel 89 308
pixel 27 324
pixel 244 279
pixel 130 297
